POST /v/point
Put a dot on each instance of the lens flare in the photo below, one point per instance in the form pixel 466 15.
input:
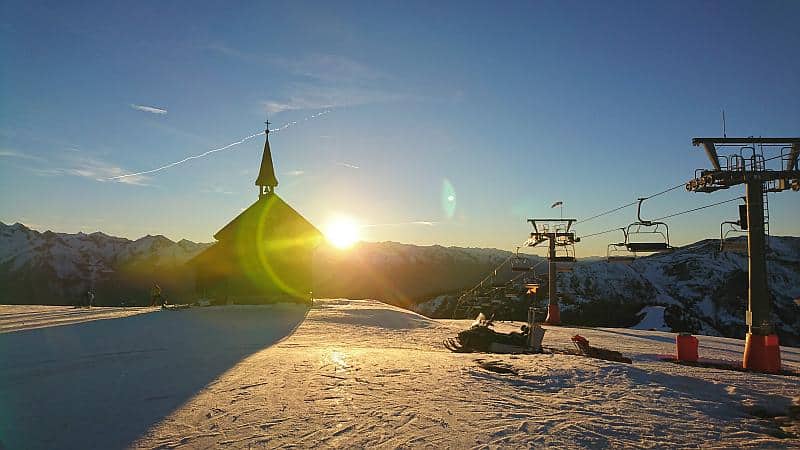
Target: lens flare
pixel 448 198
pixel 342 232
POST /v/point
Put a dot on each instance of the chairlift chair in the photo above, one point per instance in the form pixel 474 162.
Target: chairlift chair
pixel 730 244
pixel 565 256
pixel 619 253
pixel 520 263
pixel 636 235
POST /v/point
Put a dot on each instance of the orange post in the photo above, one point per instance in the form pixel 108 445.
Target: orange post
pixel 553 314
pixel 762 353
pixel 687 347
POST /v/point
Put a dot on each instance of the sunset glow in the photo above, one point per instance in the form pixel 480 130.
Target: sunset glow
pixel 342 232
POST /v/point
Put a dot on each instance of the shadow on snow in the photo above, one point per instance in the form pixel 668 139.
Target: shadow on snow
pixel 103 384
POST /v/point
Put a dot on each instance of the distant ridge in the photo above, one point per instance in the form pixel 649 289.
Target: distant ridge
pixel 702 289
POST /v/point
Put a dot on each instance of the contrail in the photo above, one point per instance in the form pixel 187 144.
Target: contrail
pixel 206 153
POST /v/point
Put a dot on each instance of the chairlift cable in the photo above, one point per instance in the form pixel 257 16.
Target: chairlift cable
pixel 631 203
pixel 701 207
pixel 669 215
pixel 651 196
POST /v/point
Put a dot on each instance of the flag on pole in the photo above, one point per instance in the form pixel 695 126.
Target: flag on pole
pixel 559 203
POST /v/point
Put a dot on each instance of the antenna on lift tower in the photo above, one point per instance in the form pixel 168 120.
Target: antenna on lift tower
pixel 724 134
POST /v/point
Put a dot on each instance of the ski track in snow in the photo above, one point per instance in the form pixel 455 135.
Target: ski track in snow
pixel 362 374
pixel 27 317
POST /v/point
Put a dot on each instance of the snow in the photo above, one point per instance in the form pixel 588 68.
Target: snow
pixel 653 319
pixel 104 383
pixel 26 317
pixel 359 373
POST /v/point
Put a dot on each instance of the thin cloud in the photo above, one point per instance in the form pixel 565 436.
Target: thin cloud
pixel 5 153
pixel 323 81
pixel 329 68
pixel 149 109
pixel 316 66
pixel 295 173
pixel 427 223
pixel 95 169
pixel 304 96
pixel 217 190
pixel 349 166
pixel 98 170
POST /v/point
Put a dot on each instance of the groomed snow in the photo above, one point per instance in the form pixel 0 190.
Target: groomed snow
pixel 357 374
pixel 26 317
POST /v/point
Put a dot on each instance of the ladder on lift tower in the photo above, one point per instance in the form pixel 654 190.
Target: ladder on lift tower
pixel 760 164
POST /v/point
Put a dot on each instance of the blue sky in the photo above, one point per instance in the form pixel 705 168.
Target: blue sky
pixel 514 106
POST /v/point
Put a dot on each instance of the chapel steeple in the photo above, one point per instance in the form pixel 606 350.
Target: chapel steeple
pixel 266 181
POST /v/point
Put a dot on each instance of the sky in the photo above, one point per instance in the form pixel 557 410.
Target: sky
pixel 448 123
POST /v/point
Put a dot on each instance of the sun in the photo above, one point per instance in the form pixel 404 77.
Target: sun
pixel 342 232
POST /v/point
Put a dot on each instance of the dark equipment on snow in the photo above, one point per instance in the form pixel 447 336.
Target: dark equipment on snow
pixel 584 349
pixel 481 337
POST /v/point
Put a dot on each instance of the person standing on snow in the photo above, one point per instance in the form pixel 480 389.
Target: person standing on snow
pixel 155 296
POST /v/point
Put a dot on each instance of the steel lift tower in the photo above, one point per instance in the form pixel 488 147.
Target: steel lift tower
pixel 561 250
pixel 749 167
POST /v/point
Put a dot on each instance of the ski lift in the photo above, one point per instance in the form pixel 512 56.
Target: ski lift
pixel 619 253
pixel 734 244
pixel 497 283
pixel 521 263
pixel 646 236
pixel 565 255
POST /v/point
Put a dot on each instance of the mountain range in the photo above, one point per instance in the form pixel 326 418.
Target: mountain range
pixel 701 289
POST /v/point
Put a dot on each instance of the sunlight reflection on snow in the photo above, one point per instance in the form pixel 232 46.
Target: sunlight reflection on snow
pixel 338 358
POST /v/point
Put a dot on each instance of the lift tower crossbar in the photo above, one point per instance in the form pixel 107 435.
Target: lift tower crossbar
pixel 559 235
pixel 749 167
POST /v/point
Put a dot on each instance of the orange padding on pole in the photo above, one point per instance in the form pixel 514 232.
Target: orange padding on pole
pixel 762 353
pixel 553 314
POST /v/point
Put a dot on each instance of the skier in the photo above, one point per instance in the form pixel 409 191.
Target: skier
pixel 155 296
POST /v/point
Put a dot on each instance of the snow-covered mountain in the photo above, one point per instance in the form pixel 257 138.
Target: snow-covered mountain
pixel 400 274
pixel 702 290
pixel 57 268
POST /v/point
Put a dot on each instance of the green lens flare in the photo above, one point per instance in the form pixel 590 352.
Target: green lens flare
pixel 448 198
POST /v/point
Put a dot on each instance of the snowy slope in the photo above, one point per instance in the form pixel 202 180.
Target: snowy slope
pixel 57 268
pixel 704 290
pixel 701 289
pixel 28 317
pixel 362 374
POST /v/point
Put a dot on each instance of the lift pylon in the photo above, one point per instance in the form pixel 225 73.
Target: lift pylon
pixel 749 167
pixel 561 249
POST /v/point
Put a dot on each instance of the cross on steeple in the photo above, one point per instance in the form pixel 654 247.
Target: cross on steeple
pixel 266 181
